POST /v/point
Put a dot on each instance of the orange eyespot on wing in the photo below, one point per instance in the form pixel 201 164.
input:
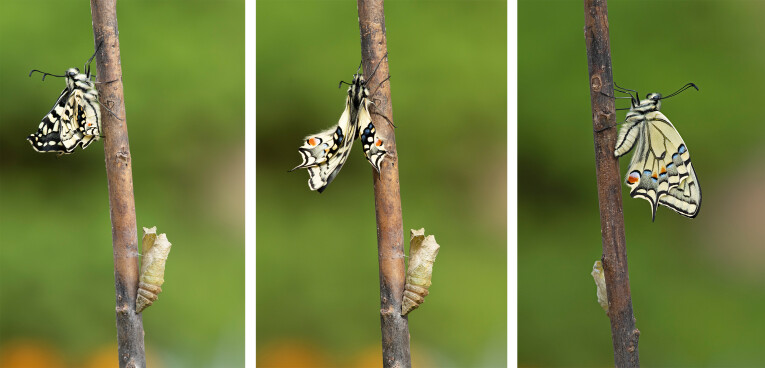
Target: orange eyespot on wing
pixel 633 178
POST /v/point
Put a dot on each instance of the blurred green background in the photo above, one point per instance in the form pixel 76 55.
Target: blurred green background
pixel 318 294
pixel 183 73
pixel 698 285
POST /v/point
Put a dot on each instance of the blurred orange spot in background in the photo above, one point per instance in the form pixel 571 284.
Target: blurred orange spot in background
pixel 292 354
pixel 29 354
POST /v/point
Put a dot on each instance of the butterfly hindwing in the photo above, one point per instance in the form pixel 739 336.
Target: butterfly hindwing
pixel 660 170
pixel 371 143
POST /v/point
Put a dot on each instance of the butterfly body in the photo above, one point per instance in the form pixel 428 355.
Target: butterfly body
pixel 324 153
pixel 660 170
pixel 75 118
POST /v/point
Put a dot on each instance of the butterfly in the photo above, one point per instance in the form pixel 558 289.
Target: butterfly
pixel 324 153
pixel 660 170
pixel 75 118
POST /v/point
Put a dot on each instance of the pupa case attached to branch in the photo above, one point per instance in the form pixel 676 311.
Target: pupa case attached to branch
pixel 422 253
pixel 600 284
pixel 155 250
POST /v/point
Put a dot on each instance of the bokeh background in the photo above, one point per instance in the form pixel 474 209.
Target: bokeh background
pixel 183 73
pixel 698 285
pixel 318 294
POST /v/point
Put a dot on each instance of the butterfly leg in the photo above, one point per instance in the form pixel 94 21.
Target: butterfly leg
pixel 379 85
pixel 384 117
pixel 111 81
pixel 607 128
pixel 110 111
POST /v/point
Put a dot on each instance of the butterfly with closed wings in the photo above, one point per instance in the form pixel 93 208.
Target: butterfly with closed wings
pixel 324 153
pixel 75 119
pixel 660 170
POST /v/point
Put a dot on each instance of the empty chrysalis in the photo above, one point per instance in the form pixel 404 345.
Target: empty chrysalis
pixel 155 250
pixel 422 253
pixel 600 284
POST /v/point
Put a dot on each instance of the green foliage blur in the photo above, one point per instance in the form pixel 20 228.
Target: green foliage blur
pixel 317 266
pixel 183 75
pixel 698 285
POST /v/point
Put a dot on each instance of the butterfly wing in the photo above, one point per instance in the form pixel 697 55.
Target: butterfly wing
pixel 88 116
pixel 324 153
pixel 373 146
pixel 660 170
pixel 684 193
pixel 56 132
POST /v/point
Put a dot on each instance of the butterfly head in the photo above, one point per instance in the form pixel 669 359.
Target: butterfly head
pixel 358 89
pixel 653 99
pixel 652 102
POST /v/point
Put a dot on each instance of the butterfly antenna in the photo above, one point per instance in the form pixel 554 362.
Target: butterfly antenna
pixel 689 85
pixel 45 74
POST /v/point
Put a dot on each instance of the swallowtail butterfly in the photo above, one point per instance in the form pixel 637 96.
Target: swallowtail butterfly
pixel 75 119
pixel 324 153
pixel 660 170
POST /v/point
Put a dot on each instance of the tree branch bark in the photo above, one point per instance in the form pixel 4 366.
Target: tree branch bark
pixel 390 229
pixel 120 180
pixel 624 334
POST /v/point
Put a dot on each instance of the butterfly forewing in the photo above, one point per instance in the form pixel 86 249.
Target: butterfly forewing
pixel 325 153
pixel 660 170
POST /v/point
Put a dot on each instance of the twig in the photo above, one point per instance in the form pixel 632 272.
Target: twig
pixel 390 229
pixel 120 178
pixel 623 332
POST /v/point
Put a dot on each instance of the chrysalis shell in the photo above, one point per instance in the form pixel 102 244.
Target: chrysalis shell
pixel 600 283
pixel 422 253
pixel 155 251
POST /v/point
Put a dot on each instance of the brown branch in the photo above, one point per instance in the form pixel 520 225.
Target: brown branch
pixel 624 335
pixel 120 179
pixel 390 229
